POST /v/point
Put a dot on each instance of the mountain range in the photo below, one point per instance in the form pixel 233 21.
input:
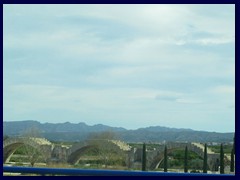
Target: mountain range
pixel 78 132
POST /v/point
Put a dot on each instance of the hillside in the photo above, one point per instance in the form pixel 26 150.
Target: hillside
pixel 78 132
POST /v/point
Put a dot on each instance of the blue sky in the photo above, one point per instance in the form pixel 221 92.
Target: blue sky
pixel 120 65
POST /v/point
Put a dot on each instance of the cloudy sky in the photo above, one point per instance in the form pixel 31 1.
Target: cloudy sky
pixel 121 65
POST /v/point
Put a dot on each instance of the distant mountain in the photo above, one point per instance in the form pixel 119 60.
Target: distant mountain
pixel 77 132
pixel 163 129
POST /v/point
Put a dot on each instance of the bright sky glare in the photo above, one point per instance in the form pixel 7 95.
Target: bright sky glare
pixel 120 65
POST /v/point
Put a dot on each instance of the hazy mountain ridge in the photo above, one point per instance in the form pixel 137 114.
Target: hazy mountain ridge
pixel 77 132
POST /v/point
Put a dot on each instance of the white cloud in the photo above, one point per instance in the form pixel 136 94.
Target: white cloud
pixel 119 62
pixel 221 39
pixel 225 89
pixel 188 101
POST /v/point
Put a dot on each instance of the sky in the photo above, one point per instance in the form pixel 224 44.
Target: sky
pixel 125 66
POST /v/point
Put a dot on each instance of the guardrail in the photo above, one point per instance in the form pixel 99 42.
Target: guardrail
pixel 96 172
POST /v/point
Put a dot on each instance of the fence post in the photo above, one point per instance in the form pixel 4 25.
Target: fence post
pixel 144 158
pixel 221 160
pixel 186 160
pixel 232 161
pixel 205 159
pixel 165 160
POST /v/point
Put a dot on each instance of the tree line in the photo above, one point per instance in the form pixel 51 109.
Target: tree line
pixel 186 159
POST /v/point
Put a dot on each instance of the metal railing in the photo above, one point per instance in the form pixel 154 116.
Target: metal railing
pixel 96 172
